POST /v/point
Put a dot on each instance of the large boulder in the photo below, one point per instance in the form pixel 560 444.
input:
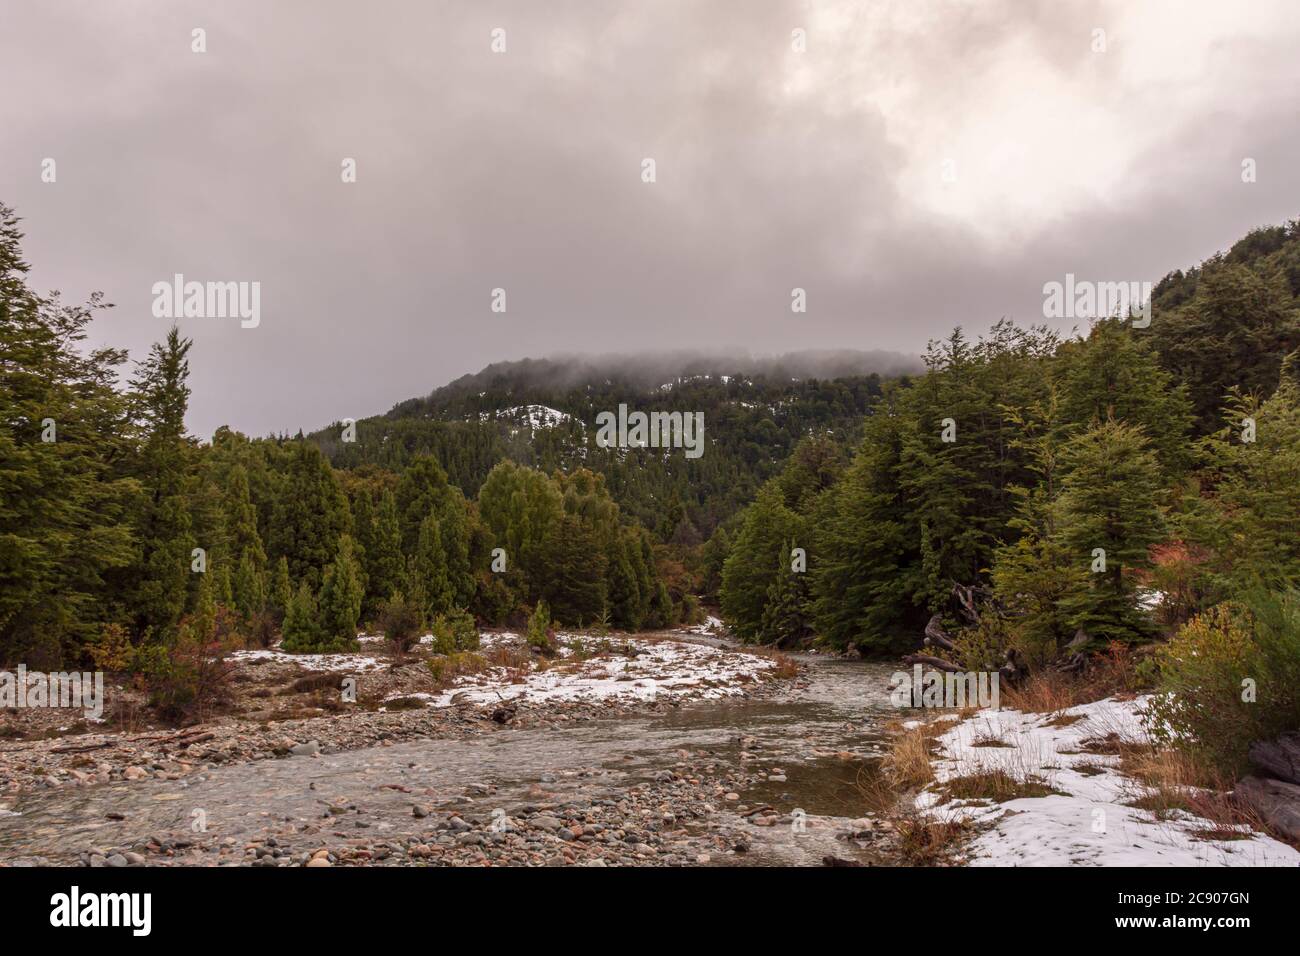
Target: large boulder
pixel 1277 801
pixel 1279 758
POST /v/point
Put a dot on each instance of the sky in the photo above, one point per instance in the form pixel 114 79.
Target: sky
pixel 911 165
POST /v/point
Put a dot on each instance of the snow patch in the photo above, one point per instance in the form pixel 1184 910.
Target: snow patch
pixel 1090 822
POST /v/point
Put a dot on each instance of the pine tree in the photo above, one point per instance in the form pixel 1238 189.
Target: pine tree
pixel 866 562
pixel 575 585
pixel 786 616
pixel 624 591
pixel 751 566
pixel 385 565
pixel 1110 500
pixel 162 577
pixel 281 590
pixel 249 588
pixel 310 514
pixel 340 597
pixel 429 570
pixel 302 630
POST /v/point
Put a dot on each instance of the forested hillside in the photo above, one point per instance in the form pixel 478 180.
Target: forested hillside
pixel 541 413
pixel 1069 480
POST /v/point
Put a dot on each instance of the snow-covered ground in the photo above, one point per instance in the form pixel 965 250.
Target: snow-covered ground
pixel 312 662
pixel 664 668
pixel 1091 824
pixel 534 416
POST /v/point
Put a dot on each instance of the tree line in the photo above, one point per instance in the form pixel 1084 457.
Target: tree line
pixel 127 542
pixel 1070 480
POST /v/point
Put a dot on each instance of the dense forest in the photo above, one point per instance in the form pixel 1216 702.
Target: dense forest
pixel 1173 449
pixel 1091 490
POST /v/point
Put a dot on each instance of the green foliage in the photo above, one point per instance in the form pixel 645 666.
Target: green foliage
pixel 281 589
pixel 539 628
pixel 1231 322
pixel 454 631
pixel 1110 500
pixel 309 515
pixel 302 631
pixel 1231 676
pixel 341 596
pixel 384 562
pixel 401 620
pixel 786 614
pixel 759 551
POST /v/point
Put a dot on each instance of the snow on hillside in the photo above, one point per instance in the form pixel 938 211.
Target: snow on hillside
pixel 534 416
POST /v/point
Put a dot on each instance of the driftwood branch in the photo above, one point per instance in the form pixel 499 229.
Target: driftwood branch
pixel 81 748
pixel 934 633
pixel 937 663
pixel 965 596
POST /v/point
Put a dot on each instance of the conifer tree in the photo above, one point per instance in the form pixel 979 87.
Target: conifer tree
pixel 751 566
pixel 340 597
pixel 310 514
pixel 1110 501
pixel 281 590
pixel 302 630
pixel 429 570
pixel 385 565
pixel 162 576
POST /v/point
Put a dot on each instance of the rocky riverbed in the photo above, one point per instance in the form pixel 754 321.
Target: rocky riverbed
pixel 711 758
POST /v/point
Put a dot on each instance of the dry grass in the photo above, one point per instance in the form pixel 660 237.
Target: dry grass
pixel 787 668
pixel 446 668
pixel 996 785
pixel 985 739
pixel 925 841
pixel 1172 780
pixel 1109 674
pixel 907 765
pixel 922 838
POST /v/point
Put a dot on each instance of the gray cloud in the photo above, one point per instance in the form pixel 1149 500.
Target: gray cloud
pixel 775 169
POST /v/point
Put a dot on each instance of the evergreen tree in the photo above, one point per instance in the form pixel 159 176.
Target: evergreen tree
pixel 249 588
pixel 162 576
pixel 575 585
pixel 302 630
pixel 786 612
pixel 429 570
pixel 340 597
pixel 310 514
pixel 751 566
pixel 385 565
pixel 1110 500
pixel 866 561
pixel 281 590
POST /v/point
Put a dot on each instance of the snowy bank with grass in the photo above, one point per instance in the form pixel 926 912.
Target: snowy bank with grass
pixel 1047 790
pixel 621 668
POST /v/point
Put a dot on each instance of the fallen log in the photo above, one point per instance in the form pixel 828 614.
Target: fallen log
pixel 81 748
pixel 936 662
pixel 1279 758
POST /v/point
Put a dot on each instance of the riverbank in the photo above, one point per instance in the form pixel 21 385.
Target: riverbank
pixel 285 705
pixel 769 775
pixel 1067 788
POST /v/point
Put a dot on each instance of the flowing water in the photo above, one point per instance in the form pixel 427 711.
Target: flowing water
pixel 839 707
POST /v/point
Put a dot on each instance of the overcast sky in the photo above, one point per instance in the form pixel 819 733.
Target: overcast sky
pixel 822 169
